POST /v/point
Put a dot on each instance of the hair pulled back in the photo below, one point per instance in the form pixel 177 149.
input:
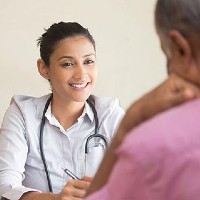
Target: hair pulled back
pixel 57 32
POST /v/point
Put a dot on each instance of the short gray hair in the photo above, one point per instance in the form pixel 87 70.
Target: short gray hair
pixel 182 15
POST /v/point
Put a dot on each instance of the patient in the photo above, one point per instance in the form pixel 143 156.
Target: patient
pixel 160 159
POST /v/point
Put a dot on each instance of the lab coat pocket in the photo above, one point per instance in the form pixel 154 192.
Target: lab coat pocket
pixel 93 159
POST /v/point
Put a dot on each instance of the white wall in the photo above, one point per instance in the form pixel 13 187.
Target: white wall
pixel 129 58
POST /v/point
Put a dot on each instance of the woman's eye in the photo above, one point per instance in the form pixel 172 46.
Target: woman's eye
pixel 67 64
pixel 89 61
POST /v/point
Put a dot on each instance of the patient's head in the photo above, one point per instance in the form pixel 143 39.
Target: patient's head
pixel 178 26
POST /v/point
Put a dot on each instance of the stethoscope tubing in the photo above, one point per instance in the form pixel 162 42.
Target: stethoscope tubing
pixel 96 127
pixel 41 144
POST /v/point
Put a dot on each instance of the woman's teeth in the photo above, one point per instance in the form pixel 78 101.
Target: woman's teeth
pixel 78 85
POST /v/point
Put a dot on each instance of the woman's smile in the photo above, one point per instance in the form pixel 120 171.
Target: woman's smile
pixel 79 85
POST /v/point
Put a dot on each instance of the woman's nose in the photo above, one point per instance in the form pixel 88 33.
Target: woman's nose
pixel 80 73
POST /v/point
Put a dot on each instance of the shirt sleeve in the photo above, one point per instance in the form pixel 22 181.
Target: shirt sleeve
pixel 13 154
pixel 149 170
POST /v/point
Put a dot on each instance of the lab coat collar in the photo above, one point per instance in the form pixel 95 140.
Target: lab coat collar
pixel 89 112
pixel 40 104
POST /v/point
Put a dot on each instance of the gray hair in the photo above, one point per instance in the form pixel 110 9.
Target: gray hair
pixel 181 15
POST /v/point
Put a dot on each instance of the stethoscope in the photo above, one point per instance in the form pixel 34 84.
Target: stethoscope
pixel 95 135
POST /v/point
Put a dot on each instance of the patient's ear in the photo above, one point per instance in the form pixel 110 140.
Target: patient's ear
pixel 42 69
pixel 180 47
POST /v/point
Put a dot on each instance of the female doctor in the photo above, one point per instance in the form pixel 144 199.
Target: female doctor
pixel 43 139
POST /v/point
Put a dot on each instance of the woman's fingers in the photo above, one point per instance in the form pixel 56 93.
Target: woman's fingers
pixel 75 189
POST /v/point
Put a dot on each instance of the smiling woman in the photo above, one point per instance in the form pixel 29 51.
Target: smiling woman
pixel 67 119
pixel 72 70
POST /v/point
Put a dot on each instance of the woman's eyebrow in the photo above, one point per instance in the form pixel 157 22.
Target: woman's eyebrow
pixel 91 54
pixel 65 57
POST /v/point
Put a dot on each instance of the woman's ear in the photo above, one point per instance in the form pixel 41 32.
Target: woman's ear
pixel 180 47
pixel 42 69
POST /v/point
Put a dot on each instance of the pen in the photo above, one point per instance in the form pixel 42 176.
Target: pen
pixel 67 171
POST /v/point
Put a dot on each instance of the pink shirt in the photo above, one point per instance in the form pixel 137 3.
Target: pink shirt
pixel 159 160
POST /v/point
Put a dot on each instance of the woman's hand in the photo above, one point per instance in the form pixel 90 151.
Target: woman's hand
pixel 75 189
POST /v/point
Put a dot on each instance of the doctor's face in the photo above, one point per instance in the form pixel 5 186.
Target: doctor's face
pixel 72 71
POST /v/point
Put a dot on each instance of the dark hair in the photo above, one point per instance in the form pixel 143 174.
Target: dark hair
pixel 57 32
pixel 182 15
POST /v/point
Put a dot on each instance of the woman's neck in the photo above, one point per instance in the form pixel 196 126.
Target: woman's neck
pixel 66 112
